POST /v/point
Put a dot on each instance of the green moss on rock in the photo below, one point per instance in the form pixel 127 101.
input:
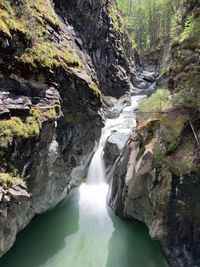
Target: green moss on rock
pixel 47 55
pixel 25 15
pixel 15 127
pixel 31 19
pixel 7 180
pixel 30 127
pixel 116 18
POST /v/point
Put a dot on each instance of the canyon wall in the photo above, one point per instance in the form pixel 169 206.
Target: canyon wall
pixel 56 61
pixel 156 178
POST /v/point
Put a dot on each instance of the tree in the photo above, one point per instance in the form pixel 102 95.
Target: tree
pixel 149 21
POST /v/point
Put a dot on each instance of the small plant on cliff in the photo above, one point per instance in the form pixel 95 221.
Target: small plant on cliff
pixel 7 180
pixel 188 102
pixel 191 29
pixel 15 127
pixel 185 99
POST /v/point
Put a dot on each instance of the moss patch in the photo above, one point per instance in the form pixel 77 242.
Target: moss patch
pixel 7 180
pixel 9 19
pixel 158 102
pixel 182 161
pixel 26 16
pixel 30 127
pixel 15 127
pixel 47 55
pixel 31 19
pixel 95 88
pixel 159 107
pixel 117 20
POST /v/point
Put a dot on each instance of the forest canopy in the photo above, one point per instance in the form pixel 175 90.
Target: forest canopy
pixel 149 22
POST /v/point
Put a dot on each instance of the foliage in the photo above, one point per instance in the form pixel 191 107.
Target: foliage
pixel 185 99
pixel 117 20
pixel 150 21
pixel 15 127
pixel 7 180
pixel 191 29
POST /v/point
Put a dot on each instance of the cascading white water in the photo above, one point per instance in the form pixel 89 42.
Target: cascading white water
pixel 124 124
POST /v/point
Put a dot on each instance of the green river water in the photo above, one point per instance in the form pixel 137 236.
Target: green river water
pixel 83 232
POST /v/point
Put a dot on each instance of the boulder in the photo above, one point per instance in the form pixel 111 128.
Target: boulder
pixel 114 145
pixel 148 76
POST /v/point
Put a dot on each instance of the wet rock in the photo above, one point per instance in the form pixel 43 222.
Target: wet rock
pixel 114 145
pixel 80 172
pixel 4 111
pixel 140 83
pixel 136 91
pixel 117 106
pixel 2 193
pixel 151 88
pixel 4 43
pixel 148 76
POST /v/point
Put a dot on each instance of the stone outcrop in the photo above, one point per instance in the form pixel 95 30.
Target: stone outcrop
pixel 155 188
pixel 104 37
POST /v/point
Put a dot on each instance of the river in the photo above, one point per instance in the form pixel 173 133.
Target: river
pixel 83 231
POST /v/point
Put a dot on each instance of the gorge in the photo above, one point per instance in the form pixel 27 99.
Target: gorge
pixel 113 134
pixel 82 231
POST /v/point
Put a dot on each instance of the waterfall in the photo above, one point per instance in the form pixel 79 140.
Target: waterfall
pixel 124 124
pixel 96 172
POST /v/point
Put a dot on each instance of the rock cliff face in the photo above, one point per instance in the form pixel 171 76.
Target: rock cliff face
pixel 53 58
pixel 156 178
pixel 101 33
pixel 165 202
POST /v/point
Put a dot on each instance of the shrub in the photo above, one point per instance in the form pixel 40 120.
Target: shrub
pixel 191 29
pixel 15 127
pixel 7 180
pixel 184 99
